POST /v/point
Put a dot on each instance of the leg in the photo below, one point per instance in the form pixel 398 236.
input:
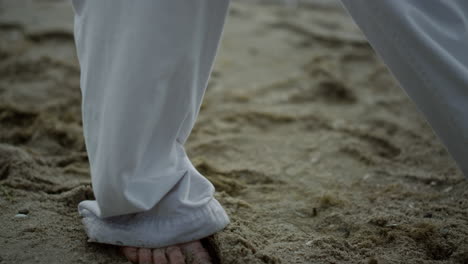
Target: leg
pixel 424 44
pixel 144 69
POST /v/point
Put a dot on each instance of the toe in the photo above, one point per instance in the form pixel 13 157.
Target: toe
pixel 196 252
pixel 159 256
pixel 145 256
pixel 175 255
pixel 202 257
pixel 193 246
pixel 130 253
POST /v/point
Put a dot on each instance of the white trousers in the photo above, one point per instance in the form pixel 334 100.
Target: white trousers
pixel 424 43
pixel 144 69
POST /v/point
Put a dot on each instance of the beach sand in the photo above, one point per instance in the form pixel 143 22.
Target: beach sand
pixel 315 152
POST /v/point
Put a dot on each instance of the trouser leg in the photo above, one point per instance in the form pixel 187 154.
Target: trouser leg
pixel 424 44
pixel 144 68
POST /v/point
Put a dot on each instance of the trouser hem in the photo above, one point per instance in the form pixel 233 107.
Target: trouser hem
pixel 150 231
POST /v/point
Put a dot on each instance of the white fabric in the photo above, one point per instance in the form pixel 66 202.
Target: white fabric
pixel 145 65
pixel 425 45
pixel 144 68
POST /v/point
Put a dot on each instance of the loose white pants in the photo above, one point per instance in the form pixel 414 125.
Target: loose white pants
pixel 144 68
pixel 145 65
pixel 425 45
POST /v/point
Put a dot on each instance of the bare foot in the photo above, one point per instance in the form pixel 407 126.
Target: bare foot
pixel 185 253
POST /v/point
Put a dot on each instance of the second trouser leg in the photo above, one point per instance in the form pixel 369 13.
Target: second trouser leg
pixel 424 43
pixel 144 69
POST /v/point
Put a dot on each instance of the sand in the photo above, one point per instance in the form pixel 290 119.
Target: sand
pixel 315 152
